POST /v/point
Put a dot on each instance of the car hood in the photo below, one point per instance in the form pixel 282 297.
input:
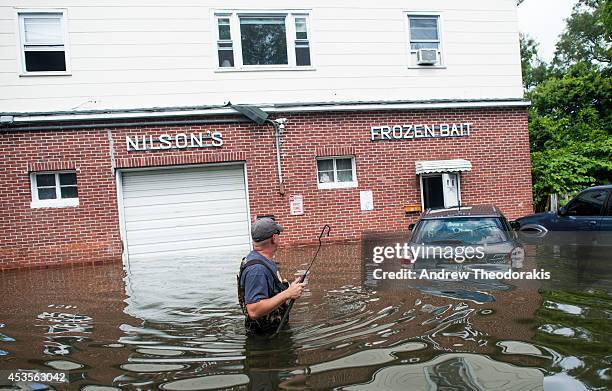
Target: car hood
pixel 536 217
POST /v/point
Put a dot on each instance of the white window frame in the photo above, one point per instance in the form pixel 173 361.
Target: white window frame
pixel 54 203
pixel 19 15
pixel 219 40
pixel 234 16
pixel 308 39
pixel 433 174
pixel 412 53
pixel 335 184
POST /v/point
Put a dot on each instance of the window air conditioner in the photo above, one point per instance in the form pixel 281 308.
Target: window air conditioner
pixel 427 56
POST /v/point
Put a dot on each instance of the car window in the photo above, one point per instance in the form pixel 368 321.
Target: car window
pixel 461 231
pixel 588 203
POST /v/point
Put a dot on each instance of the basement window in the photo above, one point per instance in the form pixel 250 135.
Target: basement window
pixel 54 189
pixel 336 172
pixel 43 42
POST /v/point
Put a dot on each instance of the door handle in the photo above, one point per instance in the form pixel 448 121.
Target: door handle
pixel 592 222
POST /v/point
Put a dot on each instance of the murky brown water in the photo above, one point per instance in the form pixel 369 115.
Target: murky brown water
pixel 177 326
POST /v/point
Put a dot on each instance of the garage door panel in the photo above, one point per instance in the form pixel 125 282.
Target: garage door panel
pixel 183 198
pixel 187 221
pixel 182 245
pixel 209 208
pixel 194 232
pixel 162 181
pixel 186 211
pixel 233 256
pixel 187 175
pixel 181 187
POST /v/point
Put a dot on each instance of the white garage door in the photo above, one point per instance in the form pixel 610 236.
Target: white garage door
pixel 174 213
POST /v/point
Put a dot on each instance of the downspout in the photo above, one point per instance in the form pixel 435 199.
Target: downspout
pixel 260 117
pixel 279 126
pixel 111 146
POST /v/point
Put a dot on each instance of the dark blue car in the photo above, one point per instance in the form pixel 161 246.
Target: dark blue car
pixel 591 210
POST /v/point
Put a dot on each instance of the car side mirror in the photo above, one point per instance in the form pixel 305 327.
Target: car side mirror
pixel 562 211
pixel 515 225
pixel 411 227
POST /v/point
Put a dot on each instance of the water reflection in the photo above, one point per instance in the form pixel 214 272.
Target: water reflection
pixel 63 330
pixel 177 326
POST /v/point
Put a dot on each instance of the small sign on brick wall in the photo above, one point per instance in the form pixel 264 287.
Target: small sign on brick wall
pixel 367 200
pixel 296 205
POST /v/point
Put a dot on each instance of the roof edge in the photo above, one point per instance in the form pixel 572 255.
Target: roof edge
pixel 17 118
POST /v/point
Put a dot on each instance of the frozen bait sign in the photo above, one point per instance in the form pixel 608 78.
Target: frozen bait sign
pixel 416 131
pixel 177 141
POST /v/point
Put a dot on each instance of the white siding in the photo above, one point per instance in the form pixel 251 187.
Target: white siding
pixel 161 54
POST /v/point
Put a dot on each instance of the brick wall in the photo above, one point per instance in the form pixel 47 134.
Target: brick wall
pixel 498 149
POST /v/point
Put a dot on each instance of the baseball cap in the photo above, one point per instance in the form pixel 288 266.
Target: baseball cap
pixel 264 228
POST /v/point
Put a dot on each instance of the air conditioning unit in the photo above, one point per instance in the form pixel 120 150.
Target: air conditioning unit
pixel 427 56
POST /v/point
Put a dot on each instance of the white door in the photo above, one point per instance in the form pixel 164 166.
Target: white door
pixel 450 187
pixel 184 212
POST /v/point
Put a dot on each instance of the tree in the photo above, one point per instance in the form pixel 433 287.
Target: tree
pixel 587 35
pixel 570 119
pixel 570 130
pixel 533 68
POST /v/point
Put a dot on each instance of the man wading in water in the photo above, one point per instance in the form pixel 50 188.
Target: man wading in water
pixel 261 291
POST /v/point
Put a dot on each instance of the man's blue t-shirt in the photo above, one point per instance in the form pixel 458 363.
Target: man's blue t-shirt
pixel 258 281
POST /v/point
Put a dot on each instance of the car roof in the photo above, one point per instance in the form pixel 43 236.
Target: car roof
pixel 607 187
pixel 485 210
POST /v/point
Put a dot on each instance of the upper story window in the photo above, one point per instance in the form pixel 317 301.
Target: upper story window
pixel 54 189
pixel 262 41
pixel 336 172
pixel 425 41
pixel 43 43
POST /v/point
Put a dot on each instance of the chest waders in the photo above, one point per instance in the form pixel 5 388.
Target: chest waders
pixel 267 323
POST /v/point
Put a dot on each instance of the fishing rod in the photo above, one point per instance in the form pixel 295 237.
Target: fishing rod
pixel 286 315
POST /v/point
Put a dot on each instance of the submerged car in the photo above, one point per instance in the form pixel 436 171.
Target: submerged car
pixel 585 222
pixel 591 210
pixel 478 234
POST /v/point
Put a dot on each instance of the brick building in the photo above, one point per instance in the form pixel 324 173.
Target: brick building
pixel 107 159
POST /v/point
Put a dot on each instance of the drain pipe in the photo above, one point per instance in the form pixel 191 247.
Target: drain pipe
pixel 279 126
pixel 260 117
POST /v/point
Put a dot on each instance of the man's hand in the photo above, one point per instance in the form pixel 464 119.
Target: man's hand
pixel 265 306
pixel 295 290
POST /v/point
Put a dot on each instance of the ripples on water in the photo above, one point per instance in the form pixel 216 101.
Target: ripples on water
pixel 177 326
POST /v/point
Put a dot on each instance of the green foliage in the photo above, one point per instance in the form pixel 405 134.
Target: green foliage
pixel 570 168
pixel 587 35
pixel 570 120
pixel 534 69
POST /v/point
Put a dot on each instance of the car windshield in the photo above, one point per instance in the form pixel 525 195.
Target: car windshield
pixel 460 231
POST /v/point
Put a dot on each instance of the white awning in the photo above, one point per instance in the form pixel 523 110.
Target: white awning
pixel 455 165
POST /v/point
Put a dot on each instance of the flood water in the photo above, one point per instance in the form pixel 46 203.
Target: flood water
pixel 177 326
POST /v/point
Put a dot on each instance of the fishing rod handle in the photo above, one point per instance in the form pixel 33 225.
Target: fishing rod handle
pixel 285 316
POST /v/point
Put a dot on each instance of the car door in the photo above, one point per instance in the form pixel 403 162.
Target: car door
pixel 582 218
pixel 605 225
pixel 584 213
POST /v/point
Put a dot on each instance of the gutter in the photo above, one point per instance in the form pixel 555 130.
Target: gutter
pixel 103 125
pixel 9 120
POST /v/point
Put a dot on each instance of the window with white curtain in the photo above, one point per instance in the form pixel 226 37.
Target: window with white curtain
pixel 43 42
pixel 336 172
